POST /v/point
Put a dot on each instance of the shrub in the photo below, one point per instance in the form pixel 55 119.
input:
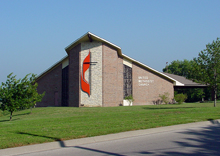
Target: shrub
pixel 165 97
pixel 180 98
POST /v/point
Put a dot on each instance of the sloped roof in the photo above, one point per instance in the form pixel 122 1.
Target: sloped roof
pixel 184 82
pixel 51 68
pixel 86 37
pixel 90 37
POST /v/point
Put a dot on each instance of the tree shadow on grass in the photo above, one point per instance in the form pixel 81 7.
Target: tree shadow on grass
pixel 9 120
pixel 4 120
pixel 16 115
pixel 156 108
pixel 21 114
pixel 62 144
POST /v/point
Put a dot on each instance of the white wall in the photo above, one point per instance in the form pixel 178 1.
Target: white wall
pixel 95 99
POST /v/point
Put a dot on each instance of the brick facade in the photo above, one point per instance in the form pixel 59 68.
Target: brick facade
pixel 112 77
pixel 51 83
pixel 74 76
pixel 147 86
pixel 105 76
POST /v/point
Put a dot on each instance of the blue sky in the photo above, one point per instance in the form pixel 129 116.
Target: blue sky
pixel 34 33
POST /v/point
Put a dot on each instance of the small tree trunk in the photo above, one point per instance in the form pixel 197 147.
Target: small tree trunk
pixel 215 87
pixel 11 116
pixel 215 97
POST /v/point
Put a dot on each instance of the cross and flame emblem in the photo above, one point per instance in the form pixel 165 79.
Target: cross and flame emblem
pixel 85 85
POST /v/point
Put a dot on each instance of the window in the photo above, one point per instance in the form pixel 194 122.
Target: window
pixel 127 72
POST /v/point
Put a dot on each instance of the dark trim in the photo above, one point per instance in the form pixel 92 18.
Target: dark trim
pixel 65 86
pixel 182 87
pixel 90 38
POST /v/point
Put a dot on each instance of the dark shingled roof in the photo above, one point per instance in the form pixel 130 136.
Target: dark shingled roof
pixel 185 82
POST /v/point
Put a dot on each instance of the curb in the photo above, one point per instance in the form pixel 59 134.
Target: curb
pixel 108 137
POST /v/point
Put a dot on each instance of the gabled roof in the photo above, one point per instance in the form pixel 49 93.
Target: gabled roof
pixel 52 67
pixel 184 82
pixel 149 68
pixel 86 37
pixel 90 37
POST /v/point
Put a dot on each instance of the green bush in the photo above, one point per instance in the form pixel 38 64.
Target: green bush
pixel 165 97
pixel 129 99
pixel 180 98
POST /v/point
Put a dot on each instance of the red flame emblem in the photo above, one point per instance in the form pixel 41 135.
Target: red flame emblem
pixel 84 84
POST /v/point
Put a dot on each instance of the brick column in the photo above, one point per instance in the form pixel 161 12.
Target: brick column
pixel 74 76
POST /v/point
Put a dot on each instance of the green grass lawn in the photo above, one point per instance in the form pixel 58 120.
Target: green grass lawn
pixel 63 123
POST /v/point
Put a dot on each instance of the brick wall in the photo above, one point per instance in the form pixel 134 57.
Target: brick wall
pixel 112 77
pixel 147 86
pixel 106 80
pixel 74 77
pixel 51 83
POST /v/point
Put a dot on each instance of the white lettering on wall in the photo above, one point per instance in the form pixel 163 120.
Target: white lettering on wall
pixel 144 81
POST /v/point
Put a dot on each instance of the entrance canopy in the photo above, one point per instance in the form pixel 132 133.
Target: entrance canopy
pixel 182 82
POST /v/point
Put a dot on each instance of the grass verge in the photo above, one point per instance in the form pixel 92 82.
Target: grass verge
pixel 63 123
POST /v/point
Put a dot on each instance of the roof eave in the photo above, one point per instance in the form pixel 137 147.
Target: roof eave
pixel 149 68
pixel 51 68
pixel 85 38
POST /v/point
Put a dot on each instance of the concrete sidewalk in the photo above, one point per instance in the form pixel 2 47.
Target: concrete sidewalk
pixel 77 142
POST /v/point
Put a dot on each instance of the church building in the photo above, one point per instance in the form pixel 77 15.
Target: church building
pixel 95 73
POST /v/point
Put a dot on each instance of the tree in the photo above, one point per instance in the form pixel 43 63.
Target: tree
pixel 181 68
pixel 208 66
pixel 185 68
pixel 19 94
